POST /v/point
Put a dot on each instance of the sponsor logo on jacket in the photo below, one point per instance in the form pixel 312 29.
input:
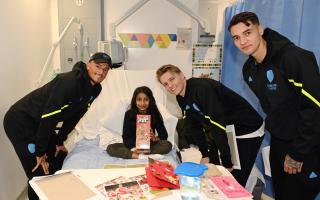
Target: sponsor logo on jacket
pixel 270 76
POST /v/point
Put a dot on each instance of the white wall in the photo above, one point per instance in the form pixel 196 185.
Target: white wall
pixel 25 39
pixel 208 10
pixel 221 6
pixel 156 16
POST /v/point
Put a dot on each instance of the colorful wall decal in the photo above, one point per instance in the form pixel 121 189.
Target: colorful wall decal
pixel 162 40
pixel 146 40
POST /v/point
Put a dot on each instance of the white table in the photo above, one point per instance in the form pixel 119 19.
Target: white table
pixel 93 177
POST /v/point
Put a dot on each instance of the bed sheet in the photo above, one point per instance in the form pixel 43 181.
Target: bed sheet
pixel 88 155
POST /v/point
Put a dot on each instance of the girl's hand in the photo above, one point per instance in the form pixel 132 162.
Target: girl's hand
pixel 135 154
pixel 44 164
pixel 156 139
pixel 152 136
pixel 137 151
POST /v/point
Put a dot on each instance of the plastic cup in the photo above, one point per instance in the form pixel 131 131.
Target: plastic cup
pixel 190 187
pixel 190 179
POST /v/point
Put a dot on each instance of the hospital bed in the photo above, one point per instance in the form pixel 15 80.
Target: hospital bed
pixel 102 124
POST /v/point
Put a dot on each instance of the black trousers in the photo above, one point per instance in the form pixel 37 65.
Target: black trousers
pixel 304 185
pixel 248 149
pixel 15 133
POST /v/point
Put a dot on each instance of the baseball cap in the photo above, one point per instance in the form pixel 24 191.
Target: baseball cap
pixel 101 57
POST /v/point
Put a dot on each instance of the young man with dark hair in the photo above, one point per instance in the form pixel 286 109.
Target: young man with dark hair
pixel 207 103
pixel 31 123
pixel 286 80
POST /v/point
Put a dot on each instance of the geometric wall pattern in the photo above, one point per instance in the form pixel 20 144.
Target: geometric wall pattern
pixel 146 40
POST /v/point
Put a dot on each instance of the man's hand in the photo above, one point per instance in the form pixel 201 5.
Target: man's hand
pixel 291 166
pixel 60 148
pixel 205 160
pixel 44 164
pixel 230 169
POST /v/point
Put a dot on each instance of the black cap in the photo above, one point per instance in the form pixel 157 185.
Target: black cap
pixel 101 57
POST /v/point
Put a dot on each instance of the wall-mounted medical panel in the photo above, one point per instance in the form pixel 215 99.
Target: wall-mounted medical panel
pixel 81 39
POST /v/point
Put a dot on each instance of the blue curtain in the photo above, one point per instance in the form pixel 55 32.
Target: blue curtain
pixel 296 19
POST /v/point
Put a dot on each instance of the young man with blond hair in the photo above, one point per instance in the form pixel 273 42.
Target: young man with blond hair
pixel 207 103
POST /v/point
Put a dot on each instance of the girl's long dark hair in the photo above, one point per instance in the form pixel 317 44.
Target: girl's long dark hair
pixel 153 109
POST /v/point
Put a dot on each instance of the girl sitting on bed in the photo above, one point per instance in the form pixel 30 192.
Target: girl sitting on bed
pixel 142 102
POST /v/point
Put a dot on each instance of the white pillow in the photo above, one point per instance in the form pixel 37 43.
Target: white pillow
pixel 113 118
pixel 170 122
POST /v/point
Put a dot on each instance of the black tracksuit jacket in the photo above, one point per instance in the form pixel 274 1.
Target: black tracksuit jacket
pixel 208 102
pixel 287 84
pixel 64 99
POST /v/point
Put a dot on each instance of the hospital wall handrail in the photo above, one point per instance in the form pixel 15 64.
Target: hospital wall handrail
pixel 53 48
